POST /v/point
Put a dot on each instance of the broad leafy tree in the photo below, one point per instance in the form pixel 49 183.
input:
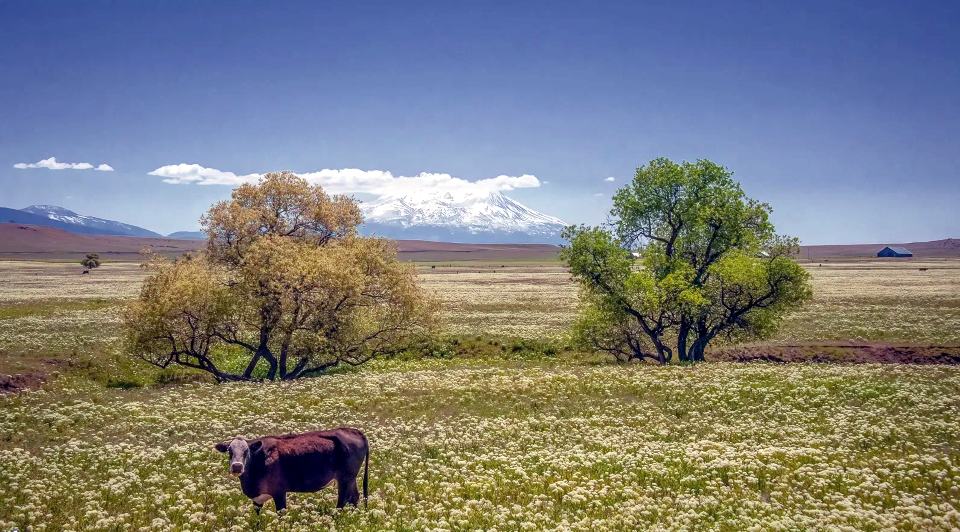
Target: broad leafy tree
pixel 285 284
pixel 711 266
pixel 91 261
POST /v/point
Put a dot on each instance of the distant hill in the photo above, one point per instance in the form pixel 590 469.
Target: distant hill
pixel 32 241
pixel 23 241
pixel 37 241
pixel 948 247
pixel 82 224
pixel 22 217
pixel 188 235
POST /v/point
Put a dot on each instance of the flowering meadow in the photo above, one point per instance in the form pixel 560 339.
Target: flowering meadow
pixel 565 443
pixel 509 447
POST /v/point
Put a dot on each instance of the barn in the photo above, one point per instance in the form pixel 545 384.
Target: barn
pixel 894 251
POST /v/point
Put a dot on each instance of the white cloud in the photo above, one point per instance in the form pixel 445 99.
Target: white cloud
pixel 598 194
pixel 53 164
pixel 352 180
pixel 610 179
pixel 180 174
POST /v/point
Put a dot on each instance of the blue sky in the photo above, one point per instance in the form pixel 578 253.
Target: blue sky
pixel 844 116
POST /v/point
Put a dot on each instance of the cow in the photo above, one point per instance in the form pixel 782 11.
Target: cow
pixel 272 466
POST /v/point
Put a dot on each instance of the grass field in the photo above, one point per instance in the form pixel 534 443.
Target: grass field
pixel 562 443
pixel 50 307
pixel 545 446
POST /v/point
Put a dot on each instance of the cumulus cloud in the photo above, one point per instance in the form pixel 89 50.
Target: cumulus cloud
pixel 353 180
pixel 53 164
pixel 598 194
pixel 610 179
pixel 181 174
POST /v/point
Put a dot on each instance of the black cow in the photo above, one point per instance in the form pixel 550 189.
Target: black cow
pixel 271 466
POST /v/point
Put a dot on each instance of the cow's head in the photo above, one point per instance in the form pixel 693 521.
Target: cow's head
pixel 240 451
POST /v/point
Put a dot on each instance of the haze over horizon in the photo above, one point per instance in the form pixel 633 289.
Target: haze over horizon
pixel 845 118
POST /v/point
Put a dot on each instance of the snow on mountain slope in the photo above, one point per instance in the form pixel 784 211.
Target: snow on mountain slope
pixel 107 227
pixel 463 216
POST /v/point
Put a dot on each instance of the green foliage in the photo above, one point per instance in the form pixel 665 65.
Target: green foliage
pixel 711 266
pixel 482 348
pixel 285 280
pixel 91 261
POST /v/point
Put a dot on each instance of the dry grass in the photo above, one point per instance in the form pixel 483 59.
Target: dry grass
pixel 520 301
pixel 882 301
pixel 31 282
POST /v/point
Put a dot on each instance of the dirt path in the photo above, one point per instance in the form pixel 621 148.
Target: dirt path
pixel 840 353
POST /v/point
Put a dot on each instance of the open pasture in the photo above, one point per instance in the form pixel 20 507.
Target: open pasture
pixel 913 302
pixel 48 308
pixel 538 446
pixel 483 444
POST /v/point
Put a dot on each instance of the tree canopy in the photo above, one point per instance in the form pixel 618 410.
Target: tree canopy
pixel 91 261
pixel 285 283
pixel 711 265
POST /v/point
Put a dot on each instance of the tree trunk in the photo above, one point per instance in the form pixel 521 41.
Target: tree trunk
pixel 698 348
pixel 252 365
pixel 272 373
pixel 682 337
pixel 664 353
pixel 283 363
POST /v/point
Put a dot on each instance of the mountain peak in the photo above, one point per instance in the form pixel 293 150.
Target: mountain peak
pixel 460 215
pixel 48 209
pixel 78 223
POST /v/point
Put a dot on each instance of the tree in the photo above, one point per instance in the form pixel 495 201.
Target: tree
pixel 712 266
pixel 91 261
pixel 285 282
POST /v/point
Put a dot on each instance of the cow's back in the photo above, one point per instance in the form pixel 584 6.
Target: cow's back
pixel 352 441
pixel 311 460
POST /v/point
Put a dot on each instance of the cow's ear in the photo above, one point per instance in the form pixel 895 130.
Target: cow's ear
pixel 271 454
pixel 222 447
pixel 255 446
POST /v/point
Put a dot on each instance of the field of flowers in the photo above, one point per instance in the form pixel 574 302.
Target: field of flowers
pixel 483 444
pixel 509 447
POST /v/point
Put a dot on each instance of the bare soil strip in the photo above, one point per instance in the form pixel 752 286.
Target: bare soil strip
pixel 840 354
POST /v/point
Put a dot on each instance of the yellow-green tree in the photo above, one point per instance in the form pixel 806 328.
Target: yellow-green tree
pixel 711 266
pixel 285 282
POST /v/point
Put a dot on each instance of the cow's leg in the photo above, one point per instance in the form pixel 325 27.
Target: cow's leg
pixel 259 500
pixel 354 493
pixel 341 494
pixel 281 501
pixel 348 492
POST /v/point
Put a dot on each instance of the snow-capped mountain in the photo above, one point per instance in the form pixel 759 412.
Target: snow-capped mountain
pixel 459 216
pixel 95 225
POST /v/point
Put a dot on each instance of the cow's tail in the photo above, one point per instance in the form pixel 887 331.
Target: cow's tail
pixel 366 465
